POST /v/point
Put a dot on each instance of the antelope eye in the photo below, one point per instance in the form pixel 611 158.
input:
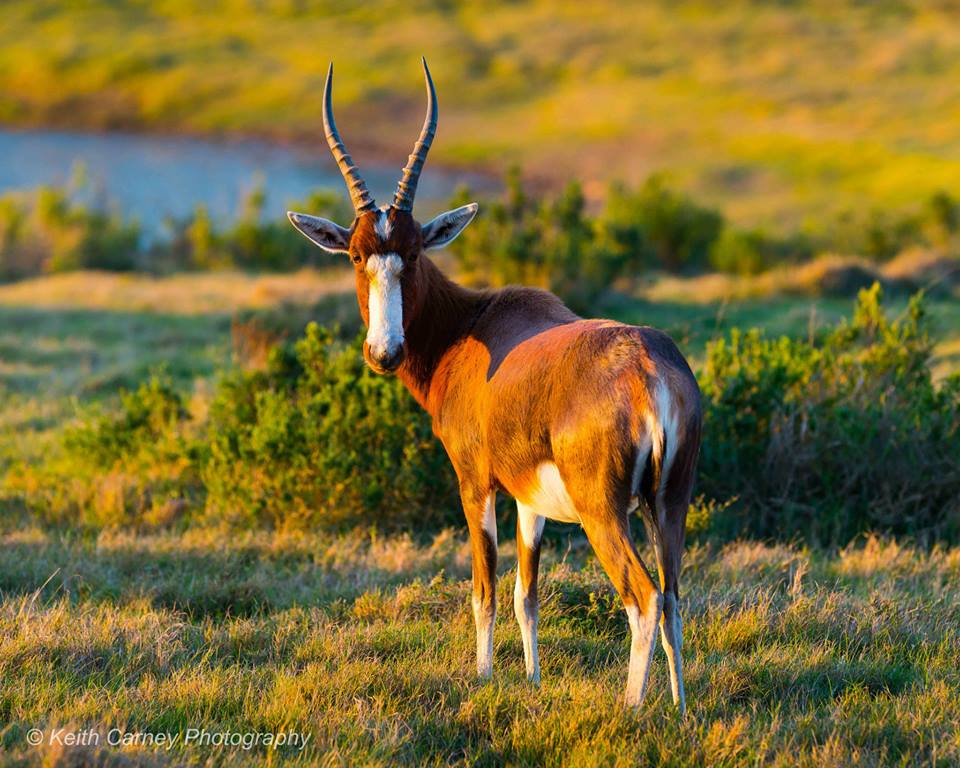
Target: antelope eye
pixel 357 258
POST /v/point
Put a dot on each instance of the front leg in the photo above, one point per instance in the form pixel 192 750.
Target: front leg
pixel 529 532
pixel 482 522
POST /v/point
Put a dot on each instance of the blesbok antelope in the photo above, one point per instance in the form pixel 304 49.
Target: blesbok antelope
pixel 579 420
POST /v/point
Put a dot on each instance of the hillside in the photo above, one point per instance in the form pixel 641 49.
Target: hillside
pixel 779 112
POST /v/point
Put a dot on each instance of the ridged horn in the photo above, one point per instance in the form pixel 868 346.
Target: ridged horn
pixel 359 194
pixel 407 187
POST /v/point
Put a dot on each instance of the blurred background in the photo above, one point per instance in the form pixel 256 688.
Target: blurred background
pixel 833 120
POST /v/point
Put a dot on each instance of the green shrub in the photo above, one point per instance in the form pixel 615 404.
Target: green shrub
pixel 740 252
pixel 553 243
pixel 317 439
pixel 548 243
pixel 824 440
pixel 550 240
pixel 133 464
pixel 752 251
pixel 145 418
pixel 50 231
pixel 818 440
pixel 253 242
pixel 678 231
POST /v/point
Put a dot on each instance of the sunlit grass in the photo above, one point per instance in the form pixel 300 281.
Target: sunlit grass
pixel 791 657
pixel 197 293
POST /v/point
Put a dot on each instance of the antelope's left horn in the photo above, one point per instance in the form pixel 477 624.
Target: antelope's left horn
pixel 359 194
pixel 407 187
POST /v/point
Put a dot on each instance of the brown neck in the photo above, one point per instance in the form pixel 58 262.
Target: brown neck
pixel 446 313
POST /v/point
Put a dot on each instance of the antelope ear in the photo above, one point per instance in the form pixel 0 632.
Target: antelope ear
pixel 329 236
pixel 444 229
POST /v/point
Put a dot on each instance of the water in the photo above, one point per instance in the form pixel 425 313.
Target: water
pixel 152 177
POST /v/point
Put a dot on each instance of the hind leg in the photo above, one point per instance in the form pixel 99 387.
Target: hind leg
pixel 671 625
pixel 609 535
pixel 671 632
pixel 667 530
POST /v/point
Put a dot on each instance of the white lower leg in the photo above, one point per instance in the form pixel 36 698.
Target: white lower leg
pixel 643 642
pixel 671 632
pixel 527 618
pixel 484 619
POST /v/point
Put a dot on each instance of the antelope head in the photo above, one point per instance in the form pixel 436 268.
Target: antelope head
pixel 384 243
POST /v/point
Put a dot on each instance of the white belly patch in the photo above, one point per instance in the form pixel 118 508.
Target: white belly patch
pixel 549 496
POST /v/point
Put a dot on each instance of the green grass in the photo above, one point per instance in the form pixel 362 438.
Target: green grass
pixel 70 340
pixel 773 111
pixel 366 643
pixel 74 339
pixel 792 657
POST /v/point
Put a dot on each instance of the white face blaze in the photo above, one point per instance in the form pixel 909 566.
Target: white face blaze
pixel 385 331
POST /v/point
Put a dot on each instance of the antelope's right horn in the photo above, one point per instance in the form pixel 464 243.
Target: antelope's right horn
pixel 407 187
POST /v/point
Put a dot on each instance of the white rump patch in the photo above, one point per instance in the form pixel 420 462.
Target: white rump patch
pixel 549 496
pixel 660 439
pixel 668 423
pixel 666 415
pixel 385 333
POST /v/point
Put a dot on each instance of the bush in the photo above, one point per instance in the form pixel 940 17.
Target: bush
pixel 552 240
pixel 318 439
pixel 49 231
pixel 144 419
pixel 548 243
pixel 134 464
pixel 553 243
pixel 678 232
pixel 818 440
pixel 253 242
pixel 740 252
pixel 824 440
pixel 752 251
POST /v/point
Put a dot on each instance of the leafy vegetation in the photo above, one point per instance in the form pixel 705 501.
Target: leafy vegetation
pixel 47 231
pixel 832 437
pixel 55 229
pixel 818 439
pixel 316 439
pixel 553 241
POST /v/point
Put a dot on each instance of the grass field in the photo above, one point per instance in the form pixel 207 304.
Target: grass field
pixel 366 643
pixel 772 111
pixel 792 657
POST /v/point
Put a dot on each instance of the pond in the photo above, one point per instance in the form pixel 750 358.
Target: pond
pixel 153 177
